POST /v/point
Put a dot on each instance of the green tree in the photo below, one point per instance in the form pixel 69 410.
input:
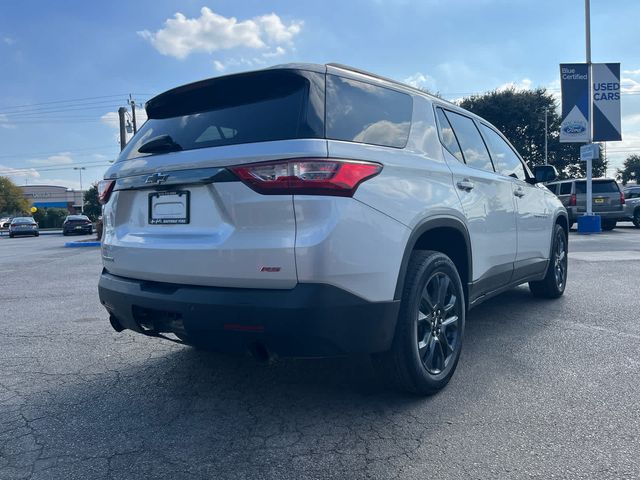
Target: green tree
pixel 54 217
pixel 630 171
pixel 12 201
pixel 519 115
pixel 92 207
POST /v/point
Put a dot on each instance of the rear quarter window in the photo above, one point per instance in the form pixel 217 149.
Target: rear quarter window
pixel 364 113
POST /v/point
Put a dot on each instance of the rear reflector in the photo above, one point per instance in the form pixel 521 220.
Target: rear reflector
pixel 105 187
pixel 572 200
pixel 307 176
pixel 622 200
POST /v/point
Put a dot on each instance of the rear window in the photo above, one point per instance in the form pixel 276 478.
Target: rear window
pixel 23 220
pixel 365 113
pixel 255 107
pixel 598 187
pixel 565 188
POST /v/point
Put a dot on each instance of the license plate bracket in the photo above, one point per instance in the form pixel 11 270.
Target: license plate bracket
pixel 169 207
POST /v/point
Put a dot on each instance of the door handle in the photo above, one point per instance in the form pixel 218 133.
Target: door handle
pixel 519 192
pixel 466 185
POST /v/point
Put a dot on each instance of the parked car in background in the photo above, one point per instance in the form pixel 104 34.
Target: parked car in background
pixel 77 224
pixel 363 216
pixel 5 222
pixel 632 204
pixel 23 226
pixel 607 199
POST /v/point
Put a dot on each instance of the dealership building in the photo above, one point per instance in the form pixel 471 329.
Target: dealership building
pixel 52 196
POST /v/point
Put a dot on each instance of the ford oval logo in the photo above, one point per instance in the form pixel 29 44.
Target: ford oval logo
pixel 574 128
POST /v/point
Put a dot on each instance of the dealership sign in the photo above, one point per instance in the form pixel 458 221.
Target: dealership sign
pixel 606 102
pixel 575 102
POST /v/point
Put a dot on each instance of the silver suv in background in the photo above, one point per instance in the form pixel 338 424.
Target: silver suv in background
pixel 318 210
pixel 608 200
pixel 632 204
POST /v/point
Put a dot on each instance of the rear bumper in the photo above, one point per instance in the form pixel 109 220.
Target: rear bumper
pixel 308 320
pixel 608 215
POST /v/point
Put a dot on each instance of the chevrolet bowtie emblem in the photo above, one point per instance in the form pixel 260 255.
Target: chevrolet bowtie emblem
pixel 156 178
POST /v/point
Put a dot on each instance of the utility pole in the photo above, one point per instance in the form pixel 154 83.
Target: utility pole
pixel 133 114
pixel 82 201
pixel 123 133
pixel 546 125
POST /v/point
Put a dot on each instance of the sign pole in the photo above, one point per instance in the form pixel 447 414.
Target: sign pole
pixel 587 16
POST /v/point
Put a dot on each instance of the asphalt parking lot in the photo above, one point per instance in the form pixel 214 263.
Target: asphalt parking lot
pixel 544 389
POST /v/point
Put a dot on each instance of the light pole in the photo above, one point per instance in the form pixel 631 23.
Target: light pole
pixel 587 18
pixel 82 201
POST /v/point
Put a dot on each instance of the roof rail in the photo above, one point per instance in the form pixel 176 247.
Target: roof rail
pixel 369 74
pixel 390 80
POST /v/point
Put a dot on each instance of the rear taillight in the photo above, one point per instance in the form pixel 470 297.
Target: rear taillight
pixel 13 225
pixel 572 200
pixel 308 176
pixel 105 187
pixel 622 201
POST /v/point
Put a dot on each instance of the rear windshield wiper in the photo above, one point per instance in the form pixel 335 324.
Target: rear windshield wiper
pixel 160 144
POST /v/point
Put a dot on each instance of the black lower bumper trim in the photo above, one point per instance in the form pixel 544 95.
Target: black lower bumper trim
pixel 308 320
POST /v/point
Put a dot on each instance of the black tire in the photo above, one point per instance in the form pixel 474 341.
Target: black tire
pixel 64 234
pixel 428 337
pixel 555 280
pixel 11 235
pixel 36 234
pixel 636 218
pixel 608 225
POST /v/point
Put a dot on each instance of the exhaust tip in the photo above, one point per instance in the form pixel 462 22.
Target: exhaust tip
pixel 115 324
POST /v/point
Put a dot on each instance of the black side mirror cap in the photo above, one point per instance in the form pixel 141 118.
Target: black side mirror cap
pixel 544 173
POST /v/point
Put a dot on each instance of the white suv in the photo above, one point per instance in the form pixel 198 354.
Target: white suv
pixel 315 210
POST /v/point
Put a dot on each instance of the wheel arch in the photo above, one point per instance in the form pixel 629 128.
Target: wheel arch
pixel 447 235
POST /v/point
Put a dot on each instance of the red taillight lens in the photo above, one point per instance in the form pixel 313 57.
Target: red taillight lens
pixel 105 187
pixel 307 176
pixel 622 200
pixel 572 200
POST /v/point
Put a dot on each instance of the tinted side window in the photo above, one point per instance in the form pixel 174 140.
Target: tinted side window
pixel 447 136
pixel 598 187
pixel 554 187
pixel 473 148
pixel 565 188
pixel 504 158
pixel 364 113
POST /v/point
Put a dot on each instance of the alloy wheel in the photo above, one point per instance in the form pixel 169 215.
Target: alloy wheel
pixel 438 322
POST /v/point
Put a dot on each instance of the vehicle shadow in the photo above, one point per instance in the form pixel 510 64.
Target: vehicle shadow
pixel 178 412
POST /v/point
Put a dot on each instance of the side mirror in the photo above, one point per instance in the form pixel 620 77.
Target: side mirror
pixel 544 173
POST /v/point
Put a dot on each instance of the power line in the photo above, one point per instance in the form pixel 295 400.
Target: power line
pixel 58 152
pixel 76 100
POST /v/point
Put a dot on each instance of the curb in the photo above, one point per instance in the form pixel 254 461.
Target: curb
pixel 81 244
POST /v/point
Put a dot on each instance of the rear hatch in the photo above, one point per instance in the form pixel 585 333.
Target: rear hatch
pixel 605 196
pixel 178 215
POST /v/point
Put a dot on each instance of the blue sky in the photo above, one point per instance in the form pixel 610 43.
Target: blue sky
pixel 88 56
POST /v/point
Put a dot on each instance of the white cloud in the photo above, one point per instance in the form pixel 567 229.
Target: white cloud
pixel 62 158
pixel 8 41
pixel 4 122
pixel 629 85
pixel 211 32
pixel 219 66
pixel 111 119
pixel 632 72
pixel 524 84
pixel 18 175
pixel 421 80
pixel 279 51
